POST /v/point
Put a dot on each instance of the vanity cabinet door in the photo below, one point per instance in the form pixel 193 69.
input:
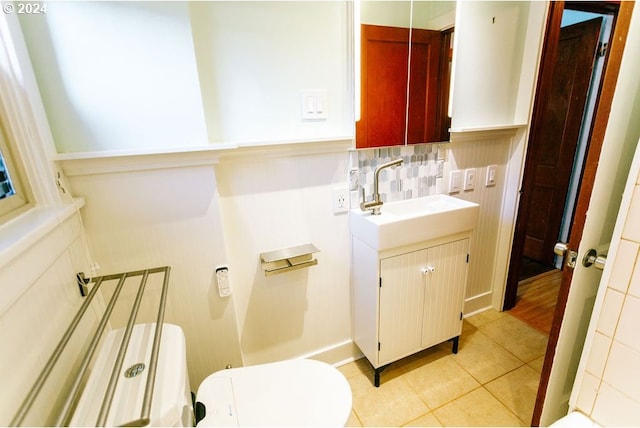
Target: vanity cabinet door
pixel 445 280
pixel 401 305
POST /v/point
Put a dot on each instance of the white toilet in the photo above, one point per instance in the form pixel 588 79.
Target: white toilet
pixel 574 420
pixel 286 393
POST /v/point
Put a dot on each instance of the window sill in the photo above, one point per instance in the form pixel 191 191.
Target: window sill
pixel 21 233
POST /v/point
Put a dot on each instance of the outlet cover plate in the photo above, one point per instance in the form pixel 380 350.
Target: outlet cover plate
pixel 340 200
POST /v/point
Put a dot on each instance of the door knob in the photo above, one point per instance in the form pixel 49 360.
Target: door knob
pixel 560 248
pixel 591 258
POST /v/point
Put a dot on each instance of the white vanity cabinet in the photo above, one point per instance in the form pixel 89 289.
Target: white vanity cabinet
pixel 408 299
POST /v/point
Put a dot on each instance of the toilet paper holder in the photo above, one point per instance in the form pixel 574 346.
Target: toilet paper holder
pixel 288 259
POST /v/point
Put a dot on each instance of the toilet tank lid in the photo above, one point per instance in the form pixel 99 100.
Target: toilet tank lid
pixel 170 385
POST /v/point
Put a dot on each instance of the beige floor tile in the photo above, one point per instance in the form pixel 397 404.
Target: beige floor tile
pixel 537 364
pixel 361 383
pixel 517 390
pixel 437 379
pixel 485 317
pixel 394 403
pixel 477 408
pixel 468 331
pixel 428 420
pixel 441 381
pixel 484 359
pixel 523 341
pixel 422 358
pixel 353 420
pixel 355 368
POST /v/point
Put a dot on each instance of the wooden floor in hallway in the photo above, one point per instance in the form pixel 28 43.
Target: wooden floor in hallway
pixel 536 301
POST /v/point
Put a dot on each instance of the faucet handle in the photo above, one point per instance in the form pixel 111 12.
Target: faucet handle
pixel 363 202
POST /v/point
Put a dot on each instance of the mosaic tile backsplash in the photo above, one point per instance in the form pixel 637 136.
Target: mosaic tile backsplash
pixel 421 173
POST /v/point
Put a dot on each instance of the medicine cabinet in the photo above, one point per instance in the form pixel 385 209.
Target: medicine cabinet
pixel 405 63
pixel 492 66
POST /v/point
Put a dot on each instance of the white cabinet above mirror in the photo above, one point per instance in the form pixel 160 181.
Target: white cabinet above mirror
pixel 496 51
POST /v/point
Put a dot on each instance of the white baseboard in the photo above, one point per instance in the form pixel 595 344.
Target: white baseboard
pixel 477 304
pixel 337 355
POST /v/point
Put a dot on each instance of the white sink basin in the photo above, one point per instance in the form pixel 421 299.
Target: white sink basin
pixel 413 220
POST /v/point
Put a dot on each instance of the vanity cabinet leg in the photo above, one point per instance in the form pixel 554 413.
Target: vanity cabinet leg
pixel 376 375
pixel 454 347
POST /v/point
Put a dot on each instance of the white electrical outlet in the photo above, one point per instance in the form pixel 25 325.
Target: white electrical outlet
pixel 340 200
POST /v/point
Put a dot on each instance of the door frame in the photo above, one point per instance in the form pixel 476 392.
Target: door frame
pixel 603 106
pixel 622 17
pixel 613 60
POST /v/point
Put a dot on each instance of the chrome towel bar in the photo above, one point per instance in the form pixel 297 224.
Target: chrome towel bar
pixel 75 392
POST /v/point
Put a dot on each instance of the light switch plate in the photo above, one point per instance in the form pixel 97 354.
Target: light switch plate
pixel 314 104
pixel 455 179
pixel 469 179
pixel 491 175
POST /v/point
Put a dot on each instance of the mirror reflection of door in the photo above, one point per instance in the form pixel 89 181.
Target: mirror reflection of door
pixel 424 83
pixel 383 78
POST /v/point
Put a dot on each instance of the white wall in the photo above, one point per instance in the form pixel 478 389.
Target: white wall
pixel 274 203
pixel 256 58
pixel 41 250
pixel 480 153
pixel 121 75
pixel 155 75
pixel 32 324
pixel 426 14
pixel 139 219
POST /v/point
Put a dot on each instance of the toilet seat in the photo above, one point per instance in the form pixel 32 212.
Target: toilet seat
pixel 574 419
pixel 297 392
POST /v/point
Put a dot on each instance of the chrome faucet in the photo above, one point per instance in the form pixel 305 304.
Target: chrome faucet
pixel 375 205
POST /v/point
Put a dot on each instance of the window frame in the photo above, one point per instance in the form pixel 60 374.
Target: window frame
pixel 28 143
pixel 22 199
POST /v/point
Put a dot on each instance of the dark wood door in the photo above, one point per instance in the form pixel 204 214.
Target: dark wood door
pixel 556 137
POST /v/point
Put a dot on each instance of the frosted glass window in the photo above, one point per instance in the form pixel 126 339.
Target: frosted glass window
pixel 14 188
pixel 6 188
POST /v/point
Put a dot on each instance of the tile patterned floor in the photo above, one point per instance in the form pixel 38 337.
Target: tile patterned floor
pixel 492 381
